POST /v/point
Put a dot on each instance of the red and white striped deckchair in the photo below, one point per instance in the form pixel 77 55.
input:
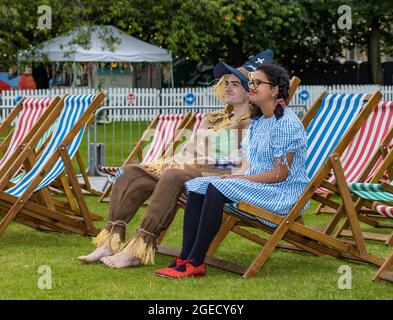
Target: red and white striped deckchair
pixel 164 129
pixel 198 122
pixel 194 124
pixel 32 110
pixel 363 146
pixel 164 135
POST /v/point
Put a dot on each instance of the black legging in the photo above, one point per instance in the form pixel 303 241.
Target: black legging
pixel 202 220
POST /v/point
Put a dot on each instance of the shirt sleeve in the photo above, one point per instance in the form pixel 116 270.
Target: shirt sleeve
pixel 287 136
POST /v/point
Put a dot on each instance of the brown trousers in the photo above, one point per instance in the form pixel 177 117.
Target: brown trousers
pixel 133 188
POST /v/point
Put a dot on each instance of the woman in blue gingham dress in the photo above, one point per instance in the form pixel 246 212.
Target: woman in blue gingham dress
pixel 267 139
pixel 275 147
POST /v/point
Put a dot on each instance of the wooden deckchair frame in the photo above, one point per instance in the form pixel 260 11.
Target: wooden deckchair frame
pixel 385 272
pixel 38 209
pixel 291 229
pixel 365 208
pixel 137 150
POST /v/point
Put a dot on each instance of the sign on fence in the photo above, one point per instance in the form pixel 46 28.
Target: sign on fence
pixel 304 95
pixel 131 98
pixel 189 99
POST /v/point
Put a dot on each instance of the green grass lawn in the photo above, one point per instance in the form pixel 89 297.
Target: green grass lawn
pixel 287 275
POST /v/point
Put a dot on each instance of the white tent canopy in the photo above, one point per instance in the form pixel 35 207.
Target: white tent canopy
pixel 125 48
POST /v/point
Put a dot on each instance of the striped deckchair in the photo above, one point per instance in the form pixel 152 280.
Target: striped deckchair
pixel 38 149
pixel 32 109
pixel 29 201
pixel 377 170
pixel 29 120
pixel 28 116
pixel 375 134
pixel 331 124
pixel 193 124
pixel 379 198
pixel 162 130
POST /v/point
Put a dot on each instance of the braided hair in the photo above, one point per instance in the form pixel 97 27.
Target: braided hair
pixel 279 77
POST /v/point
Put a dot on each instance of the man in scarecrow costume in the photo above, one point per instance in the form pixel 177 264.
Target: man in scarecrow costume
pixel 164 180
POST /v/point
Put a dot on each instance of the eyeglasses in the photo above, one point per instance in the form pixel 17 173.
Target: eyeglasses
pixel 256 83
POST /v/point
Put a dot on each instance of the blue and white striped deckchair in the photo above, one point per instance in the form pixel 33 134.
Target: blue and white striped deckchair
pixel 331 123
pixel 67 135
pixel 332 120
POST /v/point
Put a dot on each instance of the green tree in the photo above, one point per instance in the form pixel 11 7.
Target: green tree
pixel 372 31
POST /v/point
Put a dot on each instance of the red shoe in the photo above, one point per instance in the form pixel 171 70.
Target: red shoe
pixel 190 271
pixel 175 262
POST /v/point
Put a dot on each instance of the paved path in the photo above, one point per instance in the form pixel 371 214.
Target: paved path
pixel 97 183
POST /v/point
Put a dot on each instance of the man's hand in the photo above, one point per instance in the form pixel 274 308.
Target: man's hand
pixel 166 168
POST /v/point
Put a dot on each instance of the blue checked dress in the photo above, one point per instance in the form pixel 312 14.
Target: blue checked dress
pixel 266 139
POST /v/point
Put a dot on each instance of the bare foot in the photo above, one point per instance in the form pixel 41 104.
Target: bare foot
pixel 96 255
pixel 121 260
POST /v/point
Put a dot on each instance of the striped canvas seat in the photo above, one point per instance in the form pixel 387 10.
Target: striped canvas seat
pixel 109 170
pixel 374 192
pixel 195 127
pixel 365 143
pixel 198 122
pixel 40 144
pixel 329 125
pixel 370 191
pixel 74 108
pixel 384 210
pixel 32 109
pixel 164 134
pixel 333 119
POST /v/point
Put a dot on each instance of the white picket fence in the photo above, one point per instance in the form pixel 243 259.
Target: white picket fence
pixel 171 99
